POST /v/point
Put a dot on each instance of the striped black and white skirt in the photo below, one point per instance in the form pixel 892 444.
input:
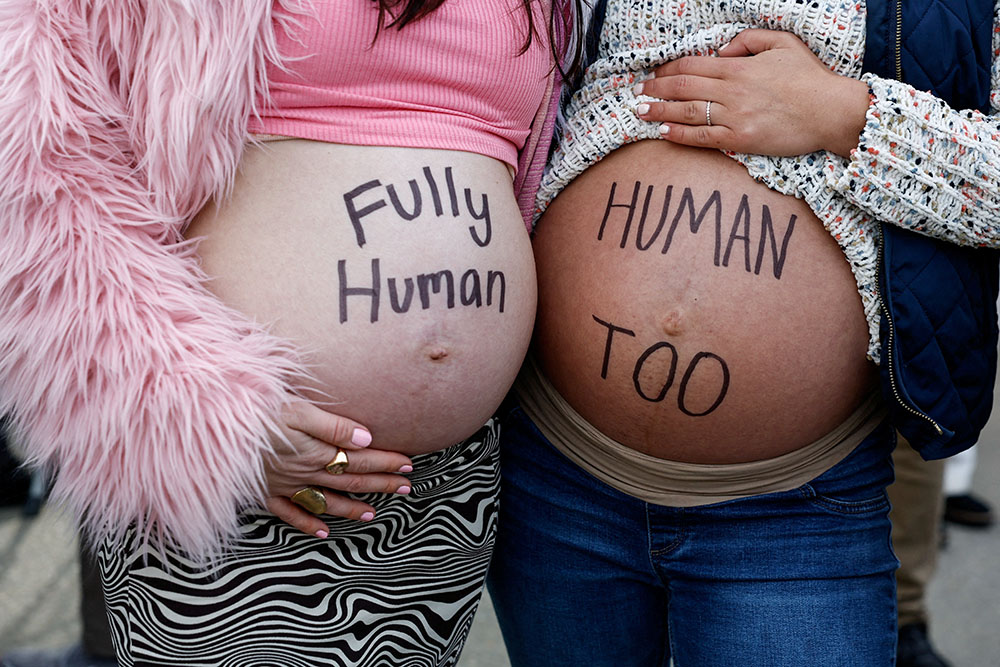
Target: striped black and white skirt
pixel 399 590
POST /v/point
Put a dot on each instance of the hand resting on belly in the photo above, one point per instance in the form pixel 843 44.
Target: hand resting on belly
pixel 693 314
pixel 405 275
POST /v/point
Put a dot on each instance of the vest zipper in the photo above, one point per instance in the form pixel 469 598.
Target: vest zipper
pixel 898 46
pixel 890 347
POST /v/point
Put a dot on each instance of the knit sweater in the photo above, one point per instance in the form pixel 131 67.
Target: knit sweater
pixel 919 164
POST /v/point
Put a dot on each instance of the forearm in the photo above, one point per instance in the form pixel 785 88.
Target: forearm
pixel 922 165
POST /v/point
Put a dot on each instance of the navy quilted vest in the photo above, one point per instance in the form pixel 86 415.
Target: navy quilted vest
pixel 939 320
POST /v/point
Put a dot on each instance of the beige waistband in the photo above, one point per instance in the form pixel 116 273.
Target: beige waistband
pixel 675 483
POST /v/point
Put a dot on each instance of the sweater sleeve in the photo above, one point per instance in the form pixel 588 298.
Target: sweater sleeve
pixel 149 400
pixel 923 165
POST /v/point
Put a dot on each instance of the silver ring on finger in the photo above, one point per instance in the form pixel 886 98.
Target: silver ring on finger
pixel 708 113
pixel 338 464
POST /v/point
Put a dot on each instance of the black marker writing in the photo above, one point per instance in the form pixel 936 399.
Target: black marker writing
pixel 355 214
pixel 398 206
pixel 742 215
pixel 681 402
pixel 484 215
pixel 659 226
pixel 607 347
pixel 434 192
pixel 767 229
pixel 694 221
pixel 372 292
pixel 435 288
pixel 641 382
pixel 624 211
pixel 452 195
pixel 630 207
pixel 362 202
pixel 397 305
pixel 642 362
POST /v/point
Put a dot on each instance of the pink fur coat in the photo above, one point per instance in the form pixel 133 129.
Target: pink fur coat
pixel 150 400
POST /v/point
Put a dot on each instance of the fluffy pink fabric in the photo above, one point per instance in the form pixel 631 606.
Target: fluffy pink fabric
pixel 150 399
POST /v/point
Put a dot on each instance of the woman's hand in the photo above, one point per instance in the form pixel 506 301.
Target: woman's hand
pixel 769 95
pixel 311 440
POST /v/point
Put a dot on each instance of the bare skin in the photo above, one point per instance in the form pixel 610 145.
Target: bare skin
pixel 308 441
pixel 707 346
pixel 687 358
pixel 770 96
pixel 408 366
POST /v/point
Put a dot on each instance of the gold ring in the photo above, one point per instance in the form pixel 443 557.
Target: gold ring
pixel 311 499
pixel 339 463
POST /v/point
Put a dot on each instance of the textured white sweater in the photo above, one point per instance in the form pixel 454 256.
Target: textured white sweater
pixel 920 164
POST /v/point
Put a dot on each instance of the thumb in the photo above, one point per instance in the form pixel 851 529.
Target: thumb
pixel 751 42
pixel 322 425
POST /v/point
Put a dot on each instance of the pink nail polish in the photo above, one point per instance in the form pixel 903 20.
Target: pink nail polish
pixel 637 89
pixel 367 516
pixel 361 438
pixel 322 534
pixel 664 130
pixel 406 468
pixel 403 490
pixel 642 109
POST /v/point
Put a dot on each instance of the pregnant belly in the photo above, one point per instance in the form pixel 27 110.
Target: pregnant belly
pixel 693 314
pixel 404 275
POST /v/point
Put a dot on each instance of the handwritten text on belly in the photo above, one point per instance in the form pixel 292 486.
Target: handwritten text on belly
pixel 455 288
pixel 711 209
pixel 659 349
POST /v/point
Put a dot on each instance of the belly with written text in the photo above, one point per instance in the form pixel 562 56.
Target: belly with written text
pixel 693 314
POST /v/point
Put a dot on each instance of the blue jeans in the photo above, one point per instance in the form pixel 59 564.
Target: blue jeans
pixel 586 575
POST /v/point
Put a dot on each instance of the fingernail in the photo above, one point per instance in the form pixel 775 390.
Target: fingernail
pixel 406 469
pixel 642 109
pixel 367 516
pixel 322 534
pixel 403 490
pixel 637 89
pixel 664 129
pixel 361 438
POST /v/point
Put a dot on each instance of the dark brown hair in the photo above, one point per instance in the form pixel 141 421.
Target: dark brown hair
pixel 403 12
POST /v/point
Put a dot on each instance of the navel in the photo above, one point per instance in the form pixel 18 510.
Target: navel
pixel 437 353
pixel 672 323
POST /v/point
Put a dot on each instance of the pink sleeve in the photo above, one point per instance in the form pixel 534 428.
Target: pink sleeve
pixel 150 400
pixel 535 154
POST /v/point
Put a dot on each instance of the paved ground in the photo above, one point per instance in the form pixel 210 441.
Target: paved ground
pixel 39 598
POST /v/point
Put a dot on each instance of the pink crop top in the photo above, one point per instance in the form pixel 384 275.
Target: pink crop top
pixel 452 80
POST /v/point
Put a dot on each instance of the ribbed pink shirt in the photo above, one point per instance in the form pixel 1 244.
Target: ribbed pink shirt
pixel 452 80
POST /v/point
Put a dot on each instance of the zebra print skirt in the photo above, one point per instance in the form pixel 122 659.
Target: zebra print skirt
pixel 399 590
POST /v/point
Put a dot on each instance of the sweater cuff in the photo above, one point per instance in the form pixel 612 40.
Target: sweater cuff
pixel 923 166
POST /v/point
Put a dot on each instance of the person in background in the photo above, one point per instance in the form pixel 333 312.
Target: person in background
pixel 961 504
pixel 916 537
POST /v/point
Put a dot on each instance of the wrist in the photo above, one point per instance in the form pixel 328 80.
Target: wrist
pixel 847 110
